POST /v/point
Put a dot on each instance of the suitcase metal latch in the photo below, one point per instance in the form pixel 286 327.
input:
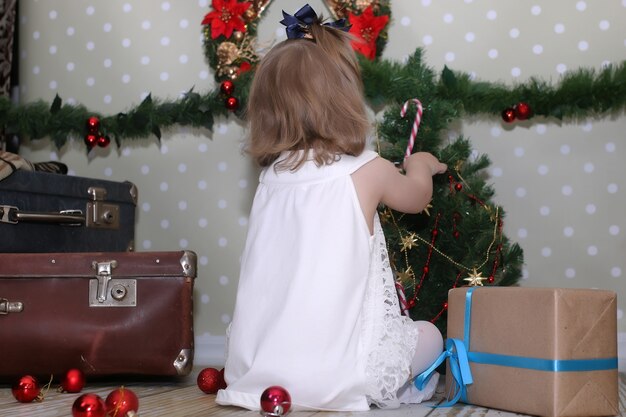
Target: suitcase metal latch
pixel 104 291
pixel 100 214
pixel 7 306
pixel 7 214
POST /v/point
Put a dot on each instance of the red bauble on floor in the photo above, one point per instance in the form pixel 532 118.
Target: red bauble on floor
pixel 89 405
pixel 210 380
pixel 26 389
pixel 275 401
pixel 121 402
pixel 73 381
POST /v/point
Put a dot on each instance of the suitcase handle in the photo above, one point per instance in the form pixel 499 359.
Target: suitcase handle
pixel 11 214
pixel 99 215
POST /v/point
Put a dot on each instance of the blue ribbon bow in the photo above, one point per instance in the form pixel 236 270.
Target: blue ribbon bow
pixel 459 368
pixel 298 25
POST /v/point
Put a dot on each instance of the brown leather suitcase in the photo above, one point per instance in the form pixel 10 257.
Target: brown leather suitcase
pixel 106 313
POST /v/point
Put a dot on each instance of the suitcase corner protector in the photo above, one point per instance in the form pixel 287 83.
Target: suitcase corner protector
pixel 184 362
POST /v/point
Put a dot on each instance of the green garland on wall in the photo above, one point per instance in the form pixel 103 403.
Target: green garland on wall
pixel 580 93
pixel 230 30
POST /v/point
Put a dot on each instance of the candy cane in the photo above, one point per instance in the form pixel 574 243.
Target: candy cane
pixel 404 306
pixel 416 123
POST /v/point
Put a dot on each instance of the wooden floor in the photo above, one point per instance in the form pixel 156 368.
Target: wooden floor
pixel 184 399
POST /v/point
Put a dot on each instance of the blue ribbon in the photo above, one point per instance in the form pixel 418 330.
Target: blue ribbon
pixel 298 25
pixel 460 357
pixel 459 368
pixel 549 365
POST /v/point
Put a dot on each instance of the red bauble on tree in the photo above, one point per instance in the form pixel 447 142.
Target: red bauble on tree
pixel 275 401
pixel 522 111
pixel 121 402
pixel 508 114
pixel 89 405
pixel 73 381
pixel 26 389
pixel 210 380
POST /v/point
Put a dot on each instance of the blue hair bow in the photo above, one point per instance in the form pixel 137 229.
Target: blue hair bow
pixel 298 24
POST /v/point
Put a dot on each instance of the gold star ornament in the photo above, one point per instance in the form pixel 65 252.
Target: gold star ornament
pixel 475 278
pixel 405 276
pixel 408 242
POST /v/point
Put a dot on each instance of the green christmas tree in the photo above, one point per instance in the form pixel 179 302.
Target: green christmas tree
pixel 458 240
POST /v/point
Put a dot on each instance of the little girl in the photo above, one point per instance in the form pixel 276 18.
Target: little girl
pixel 316 309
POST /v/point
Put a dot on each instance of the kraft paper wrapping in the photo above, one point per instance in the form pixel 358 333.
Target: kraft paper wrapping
pixel 539 323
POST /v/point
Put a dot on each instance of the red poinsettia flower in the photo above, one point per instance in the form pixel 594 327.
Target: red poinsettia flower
pixel 226 17
pixel 366 27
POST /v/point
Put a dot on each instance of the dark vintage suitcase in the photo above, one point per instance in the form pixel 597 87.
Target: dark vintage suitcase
pixel 45 212
pixel 109 313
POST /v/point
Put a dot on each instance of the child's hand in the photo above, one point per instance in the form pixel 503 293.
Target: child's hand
pixel 424 158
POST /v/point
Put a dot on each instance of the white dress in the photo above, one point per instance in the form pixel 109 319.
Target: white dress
pixel 316 310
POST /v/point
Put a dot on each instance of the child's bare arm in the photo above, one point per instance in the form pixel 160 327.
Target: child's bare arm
pixel 410 193
pixel 379 181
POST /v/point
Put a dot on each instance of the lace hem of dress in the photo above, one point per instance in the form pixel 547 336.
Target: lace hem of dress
pixel 391 339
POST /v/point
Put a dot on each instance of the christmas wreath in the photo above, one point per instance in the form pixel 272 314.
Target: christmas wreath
pixel 230 36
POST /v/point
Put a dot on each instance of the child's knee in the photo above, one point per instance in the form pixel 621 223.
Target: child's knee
pixel 429 346
pixel 429 336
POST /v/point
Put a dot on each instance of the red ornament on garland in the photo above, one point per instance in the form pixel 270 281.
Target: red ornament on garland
pixel 89 405
pixel 73 381
pixel 227 87
pixel 210 380
pixel 275 401
pixel 103 141
pixel 522 111
pixel 93 124
pixel 232 103
pixel 121 402
pixel 91 140
pixel 508 114
pixel 26 389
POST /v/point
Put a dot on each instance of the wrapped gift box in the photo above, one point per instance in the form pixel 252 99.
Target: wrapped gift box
pixel 539 351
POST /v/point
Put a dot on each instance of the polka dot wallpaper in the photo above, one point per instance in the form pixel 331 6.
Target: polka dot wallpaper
pixel 561 183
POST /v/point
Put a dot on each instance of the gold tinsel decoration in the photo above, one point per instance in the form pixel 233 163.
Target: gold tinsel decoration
pixel 364 4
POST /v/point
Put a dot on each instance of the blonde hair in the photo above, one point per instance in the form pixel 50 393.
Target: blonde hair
pixel 307 94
